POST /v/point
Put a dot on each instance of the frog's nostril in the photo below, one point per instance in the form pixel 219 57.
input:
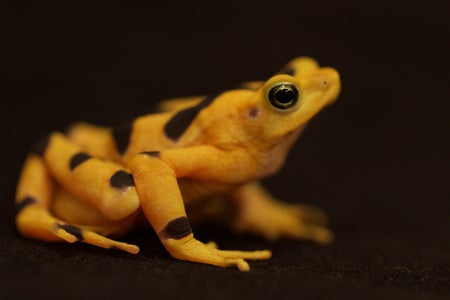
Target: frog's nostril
pixel 330 78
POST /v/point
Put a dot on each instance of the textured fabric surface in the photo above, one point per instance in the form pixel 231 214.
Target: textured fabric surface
pixel 376 161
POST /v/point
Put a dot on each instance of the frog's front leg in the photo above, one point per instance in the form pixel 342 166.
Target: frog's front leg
pixel 155 175
pixel 261 214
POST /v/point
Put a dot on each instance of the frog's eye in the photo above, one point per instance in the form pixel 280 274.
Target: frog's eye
pixel 283 95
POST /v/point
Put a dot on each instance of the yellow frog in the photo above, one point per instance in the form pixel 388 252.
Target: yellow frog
pixel 94 182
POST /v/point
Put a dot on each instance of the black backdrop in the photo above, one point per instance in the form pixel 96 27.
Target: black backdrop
pixel 377 161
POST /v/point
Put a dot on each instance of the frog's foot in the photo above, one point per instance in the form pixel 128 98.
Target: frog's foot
pixel 274 219
pixel 72 234
pixel 188 248
pixel 35 221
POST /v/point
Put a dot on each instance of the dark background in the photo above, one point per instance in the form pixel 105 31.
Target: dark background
pixel 377 161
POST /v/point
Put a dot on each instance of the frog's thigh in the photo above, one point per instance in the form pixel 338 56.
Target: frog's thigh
pixel 101 183
pixel 163 206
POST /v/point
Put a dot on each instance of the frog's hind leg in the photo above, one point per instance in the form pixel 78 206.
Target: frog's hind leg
pixel 72 234
pixel 34 193
pixel 34 219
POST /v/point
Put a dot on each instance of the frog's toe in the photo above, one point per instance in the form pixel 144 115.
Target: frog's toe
pixel 107 243
pixel 66 232
pixel 242 265
pixel 310 214
pixel 314 233
pixel 250 255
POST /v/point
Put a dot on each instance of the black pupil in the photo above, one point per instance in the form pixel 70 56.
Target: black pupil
pixel 283 96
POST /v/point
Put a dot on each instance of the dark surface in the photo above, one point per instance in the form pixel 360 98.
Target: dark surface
pixel 377 161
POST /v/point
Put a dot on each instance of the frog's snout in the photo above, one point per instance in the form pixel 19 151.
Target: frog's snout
pixel 328 80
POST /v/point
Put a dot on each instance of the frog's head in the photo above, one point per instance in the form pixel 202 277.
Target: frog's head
pixel 285 103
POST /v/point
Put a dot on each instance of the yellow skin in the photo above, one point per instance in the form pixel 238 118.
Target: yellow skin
pixel 95 182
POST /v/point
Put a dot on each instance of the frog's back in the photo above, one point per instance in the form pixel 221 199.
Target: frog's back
pixel 125 140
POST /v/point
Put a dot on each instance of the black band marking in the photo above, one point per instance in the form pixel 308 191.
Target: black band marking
pixel 78 159
pixel 121 179
pixel 176 229
pixel 122 136
pixel 181 121
pixel 28 200
pixel 75 231
pixel 40 147
pixel 151 153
